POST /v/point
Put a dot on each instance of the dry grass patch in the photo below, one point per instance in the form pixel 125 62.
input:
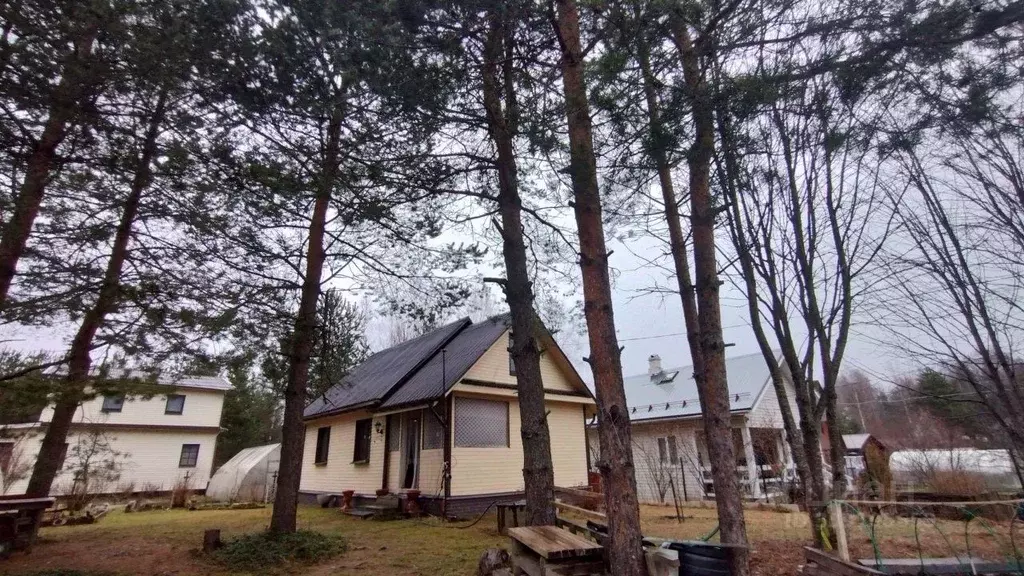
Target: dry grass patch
pixel 164 542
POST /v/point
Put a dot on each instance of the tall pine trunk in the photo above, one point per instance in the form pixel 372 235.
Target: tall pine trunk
pixel 625 554
pixel 712 386
pixel 293 432
pixel 64 106
pixel 677 240
pixel 538 471
pixel 47 464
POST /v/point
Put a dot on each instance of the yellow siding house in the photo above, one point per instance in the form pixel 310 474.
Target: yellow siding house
pixel 439 415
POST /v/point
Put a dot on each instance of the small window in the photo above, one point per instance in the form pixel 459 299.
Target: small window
pixel 113 403
pixel 481 423
pixel 511 362
pixel 433 432
pixel 323 445
pixel 662 450
pixel 673 451
pixel 189 456
pixel 175 404
pixel 6 453
pixel 361 452
pixel 394 433
pixel 63 456
pixel 702 449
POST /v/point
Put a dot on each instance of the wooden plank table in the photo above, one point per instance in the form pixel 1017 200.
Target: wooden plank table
pixel 552 551
pixel 19 522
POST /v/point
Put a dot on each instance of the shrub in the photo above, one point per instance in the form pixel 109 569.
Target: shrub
pixel 181 493
pixel 256 552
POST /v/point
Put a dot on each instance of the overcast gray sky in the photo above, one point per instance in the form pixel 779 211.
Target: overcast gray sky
pixel 647 323
pixel 643 320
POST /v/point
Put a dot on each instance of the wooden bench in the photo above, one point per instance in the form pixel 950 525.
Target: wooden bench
pixel 19 522
pixel 552 551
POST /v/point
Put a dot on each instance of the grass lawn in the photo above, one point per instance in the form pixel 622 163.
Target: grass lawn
pixel 164 542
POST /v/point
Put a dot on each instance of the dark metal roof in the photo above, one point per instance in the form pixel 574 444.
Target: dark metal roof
pixel 448 365
pixel 373 380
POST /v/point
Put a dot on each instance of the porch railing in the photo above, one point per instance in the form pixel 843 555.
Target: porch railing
pixel 770 478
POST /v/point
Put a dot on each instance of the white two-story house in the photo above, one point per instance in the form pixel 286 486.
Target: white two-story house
pixel 134 444
pixel 669 445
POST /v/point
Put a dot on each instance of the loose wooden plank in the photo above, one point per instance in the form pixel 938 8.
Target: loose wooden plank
pixel 26 503
pixel 581 511
pixel 552 543
pixel 951 565
pixel 833 565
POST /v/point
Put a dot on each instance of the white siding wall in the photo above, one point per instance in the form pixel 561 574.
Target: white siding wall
pixel 339 473
pixel 766 413
pixel 202 408
pixel 150 460
pixel 649 468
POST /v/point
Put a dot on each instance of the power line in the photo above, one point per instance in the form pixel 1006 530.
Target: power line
pixel 674 334
pixel 898 400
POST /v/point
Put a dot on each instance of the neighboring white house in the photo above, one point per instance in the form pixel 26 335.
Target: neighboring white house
pixel 159 442
pixel 669 449
pixel 248 477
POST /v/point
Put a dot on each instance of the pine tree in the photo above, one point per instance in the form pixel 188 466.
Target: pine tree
pixel 321 180
pixel 77 260
pixel 617 468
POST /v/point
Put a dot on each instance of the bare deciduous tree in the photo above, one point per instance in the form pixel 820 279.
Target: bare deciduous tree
pixel 956 270
pixel 804 214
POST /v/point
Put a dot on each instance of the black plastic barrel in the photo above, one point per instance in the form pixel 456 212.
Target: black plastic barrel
pixel 697 558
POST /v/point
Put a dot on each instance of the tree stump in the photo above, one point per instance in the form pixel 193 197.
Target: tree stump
pixel 211 540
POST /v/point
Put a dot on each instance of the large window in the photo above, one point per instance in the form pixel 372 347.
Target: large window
pixel 323 445
pixel 189 456
pixel 481 423
pixel 433 431
pixel 361 452
pixel 175 404
pixel 113 403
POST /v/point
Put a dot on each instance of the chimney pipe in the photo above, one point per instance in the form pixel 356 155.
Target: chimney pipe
pixel 654 366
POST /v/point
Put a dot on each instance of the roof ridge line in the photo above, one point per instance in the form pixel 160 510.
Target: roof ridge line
pixel 465 323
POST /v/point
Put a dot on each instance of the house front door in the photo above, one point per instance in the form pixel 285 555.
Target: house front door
pixel 411 450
